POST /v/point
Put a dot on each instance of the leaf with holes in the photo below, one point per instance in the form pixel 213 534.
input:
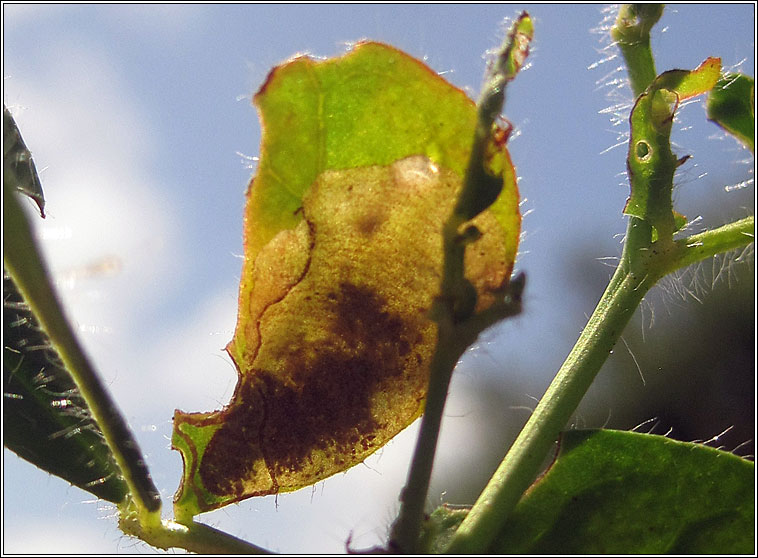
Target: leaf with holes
pixel 361 161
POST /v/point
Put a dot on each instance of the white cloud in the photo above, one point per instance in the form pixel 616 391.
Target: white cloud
pixel 93 148
pixel 110 238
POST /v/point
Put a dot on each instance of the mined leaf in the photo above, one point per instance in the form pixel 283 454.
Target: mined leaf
pixel 45 419
pixel 361 161
pixel 613 492
pixel 650 161
pixel 731 106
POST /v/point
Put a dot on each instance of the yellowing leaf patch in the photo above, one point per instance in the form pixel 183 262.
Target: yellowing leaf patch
pixel 334 339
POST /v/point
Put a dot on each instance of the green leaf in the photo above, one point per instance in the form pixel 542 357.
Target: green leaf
pixel 650 162
pixel 23 262
pixel 687 84
pixel 731 106
pixel 361 161
pixel 18 165
pixel 613 492
pixel 45 419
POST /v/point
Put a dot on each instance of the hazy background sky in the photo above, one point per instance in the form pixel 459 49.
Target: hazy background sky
pixel 139 119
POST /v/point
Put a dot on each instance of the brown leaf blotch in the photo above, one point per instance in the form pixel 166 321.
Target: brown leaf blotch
pixel 337 361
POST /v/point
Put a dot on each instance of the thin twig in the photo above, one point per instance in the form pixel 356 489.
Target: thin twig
pixel 458 326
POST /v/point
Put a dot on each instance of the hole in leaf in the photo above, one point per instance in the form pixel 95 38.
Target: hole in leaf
pixel 642 150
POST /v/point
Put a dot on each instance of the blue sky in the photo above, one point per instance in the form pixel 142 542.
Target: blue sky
pixel 139 118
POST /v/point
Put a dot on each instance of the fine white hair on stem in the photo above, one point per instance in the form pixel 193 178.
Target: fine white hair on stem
pixel 634 358
pixel 740 446
pixel 608 418
pixel 698 280
pixel 717 438
pixel 526 407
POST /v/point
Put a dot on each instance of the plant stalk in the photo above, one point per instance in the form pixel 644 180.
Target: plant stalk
pixel 643 262
pixel 521 465
pixel 631 32
pixel 458 326
pixel 405 532
pixel 707 244
pixel 632 280
pixel 194 537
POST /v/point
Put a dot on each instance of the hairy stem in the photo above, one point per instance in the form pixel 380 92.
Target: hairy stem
pixel 643 263
pixel 405 532
pixel 707 244
pixel 632 35
pixel 636 274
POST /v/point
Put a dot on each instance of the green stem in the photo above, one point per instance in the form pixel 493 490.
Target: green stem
pixel 521 465
pixel 458 326
pixel 707 244
pixel 194 537
pixel 636 274
pixel 405 532
pixel 22 259
pixel 643 262
pixel 632 35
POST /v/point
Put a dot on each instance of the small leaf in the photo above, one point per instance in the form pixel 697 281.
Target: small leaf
pixel 731 106
pixel 361 162
pixel 439 528
pixel 521 37
pixel 45 420
pixel 18 165
pixel 612 492
pixel 687 84
pixel 650 161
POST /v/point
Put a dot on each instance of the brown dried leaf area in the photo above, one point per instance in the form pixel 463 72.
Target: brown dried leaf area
pixel 337 360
